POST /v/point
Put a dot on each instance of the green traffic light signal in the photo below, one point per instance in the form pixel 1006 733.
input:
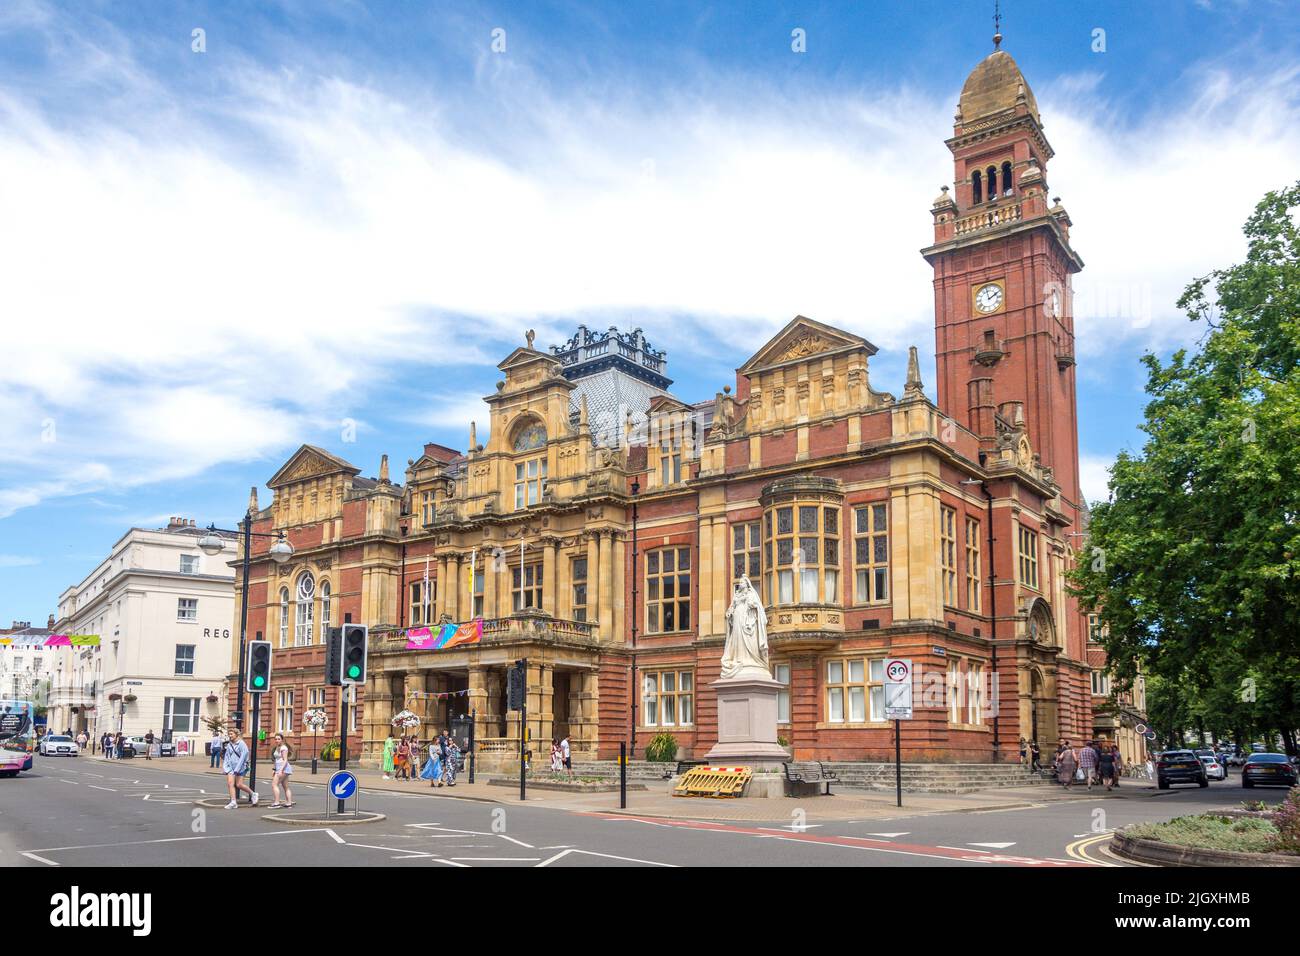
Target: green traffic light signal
pixel 259 681
pixel 354 671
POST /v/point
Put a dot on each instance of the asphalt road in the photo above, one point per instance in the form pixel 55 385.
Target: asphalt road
pixel 87 812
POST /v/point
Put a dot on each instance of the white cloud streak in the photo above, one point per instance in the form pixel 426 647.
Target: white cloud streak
pixel 182 296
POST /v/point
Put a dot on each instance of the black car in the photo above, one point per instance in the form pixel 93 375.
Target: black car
pixel 1269 770
pixel 1180 766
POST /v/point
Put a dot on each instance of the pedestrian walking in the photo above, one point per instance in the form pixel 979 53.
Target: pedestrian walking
pixel 81 740
pixel 280 778
pixel 118 744
pixel 1067 762
pixel 566 756
pixel 1119 763
pixel 453 761
pixel 390 747
pixel 415 757
pixel 1088 762
pixel 234 763
pixel 1106 768
pixel 104 749
pixel 148 745
pixel 556 761
pixel 1036 757
pixel 443 753
pixel 214 746
pixel 432 770
pixel 403 761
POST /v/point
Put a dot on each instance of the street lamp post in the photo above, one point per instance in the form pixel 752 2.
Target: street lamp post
pixel 213 544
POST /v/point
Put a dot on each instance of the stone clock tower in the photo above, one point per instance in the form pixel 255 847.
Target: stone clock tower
pixel 1004 328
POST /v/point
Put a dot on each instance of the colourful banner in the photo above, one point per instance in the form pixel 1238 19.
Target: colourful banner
pixel 54 640
pixel 445 637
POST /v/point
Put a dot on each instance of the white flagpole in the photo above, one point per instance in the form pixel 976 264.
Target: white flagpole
pixel 521 575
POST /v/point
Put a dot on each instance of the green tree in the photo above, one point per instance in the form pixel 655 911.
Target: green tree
pixel 1197 575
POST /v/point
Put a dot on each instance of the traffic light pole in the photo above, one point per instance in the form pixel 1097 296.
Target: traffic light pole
pixel 343 736
pixel 472 715
pixel 252 752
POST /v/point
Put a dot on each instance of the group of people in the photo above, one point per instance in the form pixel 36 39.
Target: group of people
pixel 561 757
pixel 1095 762
pixel 442 761
pixel 235 759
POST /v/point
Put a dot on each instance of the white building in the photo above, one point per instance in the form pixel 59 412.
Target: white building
pixel 162 609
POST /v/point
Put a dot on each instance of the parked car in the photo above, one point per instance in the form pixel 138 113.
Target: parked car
pixel 1269 770
pixel 1214 770
pixel 136 747
pixel 1180 766
pixel 58 745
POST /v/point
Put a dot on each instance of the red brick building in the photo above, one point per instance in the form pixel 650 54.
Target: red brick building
pixel 599 530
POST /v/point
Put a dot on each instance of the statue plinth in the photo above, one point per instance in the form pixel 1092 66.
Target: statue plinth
pixel 747 706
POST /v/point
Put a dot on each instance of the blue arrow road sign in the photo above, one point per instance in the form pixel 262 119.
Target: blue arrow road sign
pixel 342 784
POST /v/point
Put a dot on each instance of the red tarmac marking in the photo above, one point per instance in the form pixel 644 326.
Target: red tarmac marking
pixel 865 843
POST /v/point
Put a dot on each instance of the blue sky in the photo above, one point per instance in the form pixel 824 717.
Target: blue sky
pixel 353 210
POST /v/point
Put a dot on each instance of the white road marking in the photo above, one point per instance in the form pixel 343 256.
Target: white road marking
pixel 41 859
pixel 93 787
pixel 218 836
pixel 73 782
pixel 961 849
pixel 336 837
pixel 995 846
pixel 498 859
pixel 898 834
pixel 608 856
pixel 793 827
pixel 528 846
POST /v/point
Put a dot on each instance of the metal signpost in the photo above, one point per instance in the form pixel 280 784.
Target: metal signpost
pixel 342 787
pixel 898 708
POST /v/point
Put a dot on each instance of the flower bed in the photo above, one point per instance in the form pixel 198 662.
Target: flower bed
pixel 1211 832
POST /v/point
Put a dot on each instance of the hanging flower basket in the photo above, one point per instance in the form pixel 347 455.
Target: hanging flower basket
pixel 114 696
pixel 314 718
pixel 406 720
pixel 129 698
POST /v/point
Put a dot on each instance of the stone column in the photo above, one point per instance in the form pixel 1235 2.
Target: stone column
pixel 606 585
pixel 478 697
pixel 596 611
pixel 440 606
pixel 550 599
pixel 618 575
pixel 704 578
pixel 454 585
pixel 539 707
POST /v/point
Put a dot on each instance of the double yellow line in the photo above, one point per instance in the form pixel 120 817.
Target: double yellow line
pixel 1078 850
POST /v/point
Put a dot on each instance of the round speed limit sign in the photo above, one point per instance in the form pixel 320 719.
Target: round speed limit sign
pixel 898 671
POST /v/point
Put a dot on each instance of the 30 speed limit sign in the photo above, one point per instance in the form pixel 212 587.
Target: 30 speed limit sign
pixel 898 689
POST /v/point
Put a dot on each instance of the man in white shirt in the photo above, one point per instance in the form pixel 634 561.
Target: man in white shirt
pixel 566 754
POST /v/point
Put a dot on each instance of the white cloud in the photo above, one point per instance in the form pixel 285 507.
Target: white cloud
pixel 17 561
pixel 182 294
pixel 1094 476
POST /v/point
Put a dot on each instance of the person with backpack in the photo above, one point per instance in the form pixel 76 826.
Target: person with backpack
pixel 281 753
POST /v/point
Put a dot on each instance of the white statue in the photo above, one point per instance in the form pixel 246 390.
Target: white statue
pixel 745 653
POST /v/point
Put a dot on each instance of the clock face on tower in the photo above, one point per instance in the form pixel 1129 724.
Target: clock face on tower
pixel 988 298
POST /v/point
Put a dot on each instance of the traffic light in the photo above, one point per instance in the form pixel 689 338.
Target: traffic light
pixel 517 686
pixel 257 672
pixel 333 653
pixel 353 654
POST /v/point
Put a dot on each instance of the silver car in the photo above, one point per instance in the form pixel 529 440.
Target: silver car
pixel 59 745
pixel 1214 770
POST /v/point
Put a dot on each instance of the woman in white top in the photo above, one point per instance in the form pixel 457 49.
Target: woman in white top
pixel 283 768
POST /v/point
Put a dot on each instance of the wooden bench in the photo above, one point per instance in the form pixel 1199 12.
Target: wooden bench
pixel 808 773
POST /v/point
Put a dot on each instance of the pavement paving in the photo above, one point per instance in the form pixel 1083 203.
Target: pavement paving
pixel 89 812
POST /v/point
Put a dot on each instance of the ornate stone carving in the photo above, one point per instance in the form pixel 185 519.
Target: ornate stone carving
pixel 810 343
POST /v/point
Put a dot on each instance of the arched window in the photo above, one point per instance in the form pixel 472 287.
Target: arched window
pixel 304 603
pixel 991 174
pixel 284 617
pixel 977 186
pixel 324 611
pixel 1006 179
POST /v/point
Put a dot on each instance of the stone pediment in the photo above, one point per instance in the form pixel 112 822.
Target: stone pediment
pixel 310 462
pixel 802 339
pixel 522 357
